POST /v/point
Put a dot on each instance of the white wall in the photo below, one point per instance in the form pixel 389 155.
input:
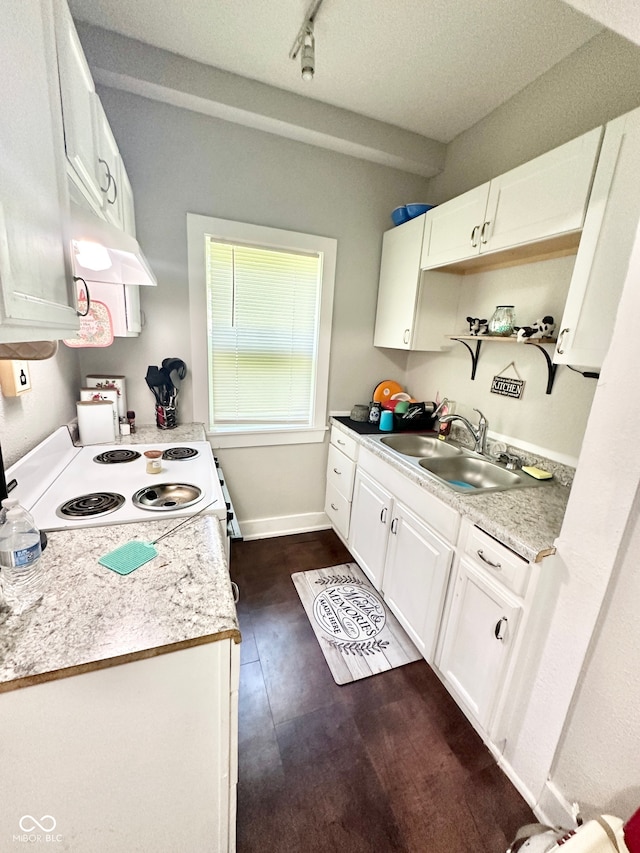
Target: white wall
pixel 554 422
pixel 181 161
pixel 28 419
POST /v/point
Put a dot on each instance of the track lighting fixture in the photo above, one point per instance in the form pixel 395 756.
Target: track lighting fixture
pixel 305 44
pixel 308 58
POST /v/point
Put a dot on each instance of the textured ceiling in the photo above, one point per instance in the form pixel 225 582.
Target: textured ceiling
pixel 435 67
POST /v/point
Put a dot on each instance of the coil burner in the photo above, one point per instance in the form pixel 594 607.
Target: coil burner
pixel 120 454
pixel 173 454
pixel 88 506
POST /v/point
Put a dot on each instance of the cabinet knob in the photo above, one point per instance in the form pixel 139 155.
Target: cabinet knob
pixel 335 471
pixel 108 176
pixel 334 507
pixel 500 624
pixel 474 236
pixel 394 526
pixel 406 336
pixel 484 559
pixel 383 515
pixel 483 233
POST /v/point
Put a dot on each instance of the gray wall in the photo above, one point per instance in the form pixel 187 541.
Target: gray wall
pixel 181 161
pixel 28 419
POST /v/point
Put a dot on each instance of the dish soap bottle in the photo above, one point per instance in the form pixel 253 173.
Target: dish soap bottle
pixel 20 569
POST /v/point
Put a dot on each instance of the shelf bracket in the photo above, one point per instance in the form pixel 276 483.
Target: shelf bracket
pixel 551 367
pixel 474 355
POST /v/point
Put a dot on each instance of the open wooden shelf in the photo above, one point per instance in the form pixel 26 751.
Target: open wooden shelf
pixel 511 339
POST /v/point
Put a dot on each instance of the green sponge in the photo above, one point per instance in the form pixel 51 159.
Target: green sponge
pixel 538 473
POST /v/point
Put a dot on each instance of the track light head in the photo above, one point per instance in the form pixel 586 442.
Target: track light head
pixel 307 56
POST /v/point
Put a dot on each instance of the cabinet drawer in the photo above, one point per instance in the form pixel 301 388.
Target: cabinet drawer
pixel 513 571
pixel 344 442
pixel 340 472
pixel 338 508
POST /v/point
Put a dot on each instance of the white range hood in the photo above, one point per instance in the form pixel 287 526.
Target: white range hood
pixel 103 253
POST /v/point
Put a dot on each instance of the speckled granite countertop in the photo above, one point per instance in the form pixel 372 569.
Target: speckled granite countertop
pixel 526 520
pixel 150 434
pixel 91 617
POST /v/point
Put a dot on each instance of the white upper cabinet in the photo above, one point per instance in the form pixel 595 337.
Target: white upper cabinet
pixel 77 93
pixel 542 199
pixel 603 256
pixel 455 227
pixel 399 282
pixel 413 306
pixel 38 301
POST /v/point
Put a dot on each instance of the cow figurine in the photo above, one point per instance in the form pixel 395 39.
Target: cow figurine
pixel 477 326
pixel 540 329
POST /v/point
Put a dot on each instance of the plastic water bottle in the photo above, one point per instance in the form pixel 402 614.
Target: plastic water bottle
pixel 20 569
pixel 9 503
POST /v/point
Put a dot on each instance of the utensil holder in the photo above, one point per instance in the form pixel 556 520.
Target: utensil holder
pixel 166 417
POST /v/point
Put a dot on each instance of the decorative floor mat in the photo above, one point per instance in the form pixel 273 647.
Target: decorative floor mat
pixel 358 635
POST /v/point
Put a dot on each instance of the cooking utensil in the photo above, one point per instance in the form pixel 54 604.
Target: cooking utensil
pixel 130 556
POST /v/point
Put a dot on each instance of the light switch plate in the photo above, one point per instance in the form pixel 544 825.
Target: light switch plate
pixel 15 378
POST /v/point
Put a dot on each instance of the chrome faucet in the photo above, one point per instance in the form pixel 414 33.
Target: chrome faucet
pixel 479 433
pixel 444 402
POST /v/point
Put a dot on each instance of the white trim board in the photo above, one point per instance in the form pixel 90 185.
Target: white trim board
pixel 285 525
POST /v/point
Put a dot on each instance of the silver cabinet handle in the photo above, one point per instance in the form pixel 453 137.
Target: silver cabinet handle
pixel 474 235
pixel 406 336
pixel 394 526
pixel 115 190
pixel 500 624
pixel 483 233
pixel 383 515
pixel 334 507
pixel 335 471
pixel 560 343
pixel 340 441
pixel 497 566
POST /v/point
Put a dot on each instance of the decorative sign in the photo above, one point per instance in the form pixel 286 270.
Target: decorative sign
pixel 349 612
pixel 506 386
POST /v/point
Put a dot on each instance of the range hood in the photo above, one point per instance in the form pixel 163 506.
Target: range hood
pixel 101 252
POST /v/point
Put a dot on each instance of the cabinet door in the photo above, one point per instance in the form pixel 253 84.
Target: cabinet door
pixel 542 198
pixel 35 272
pixel 480 630
pixel 415 577
pixel 370 520
pixel 77 91
pixel 453 228
pixel 126 197
pixel 108 166
pixel 605 248
pixel 399 282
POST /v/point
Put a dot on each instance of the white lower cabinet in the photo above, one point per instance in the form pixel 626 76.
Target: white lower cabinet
pixel 370 520
pixel 341 466
pixel 415 577
pixel 479 634
pixel 400 552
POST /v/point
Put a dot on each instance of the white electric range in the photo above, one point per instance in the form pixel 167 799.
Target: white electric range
pixel 64 486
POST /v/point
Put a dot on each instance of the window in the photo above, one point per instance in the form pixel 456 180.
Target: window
pixel 260 303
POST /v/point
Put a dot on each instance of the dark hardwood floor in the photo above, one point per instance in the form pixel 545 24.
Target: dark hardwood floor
pixel 388 763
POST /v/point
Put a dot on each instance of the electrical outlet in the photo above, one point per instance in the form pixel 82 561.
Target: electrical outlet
pixel 14 378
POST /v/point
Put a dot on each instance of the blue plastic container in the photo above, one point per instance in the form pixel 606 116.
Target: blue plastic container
pixel 400 215
pixel 417 209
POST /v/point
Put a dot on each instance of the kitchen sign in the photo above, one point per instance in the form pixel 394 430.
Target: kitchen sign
pixel 507 386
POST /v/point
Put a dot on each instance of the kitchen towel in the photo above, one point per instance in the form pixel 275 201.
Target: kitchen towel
pixel 95 421
pixel 358 636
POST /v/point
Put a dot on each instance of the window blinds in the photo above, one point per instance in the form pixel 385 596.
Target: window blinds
pixel 263 320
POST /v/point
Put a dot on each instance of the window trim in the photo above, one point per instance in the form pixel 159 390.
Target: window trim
pixel 225 229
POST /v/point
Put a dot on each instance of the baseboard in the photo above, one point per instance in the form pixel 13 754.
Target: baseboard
pixel 553 809
pixel 285 525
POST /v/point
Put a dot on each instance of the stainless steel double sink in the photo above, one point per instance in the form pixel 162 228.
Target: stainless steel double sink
pixel 455 466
